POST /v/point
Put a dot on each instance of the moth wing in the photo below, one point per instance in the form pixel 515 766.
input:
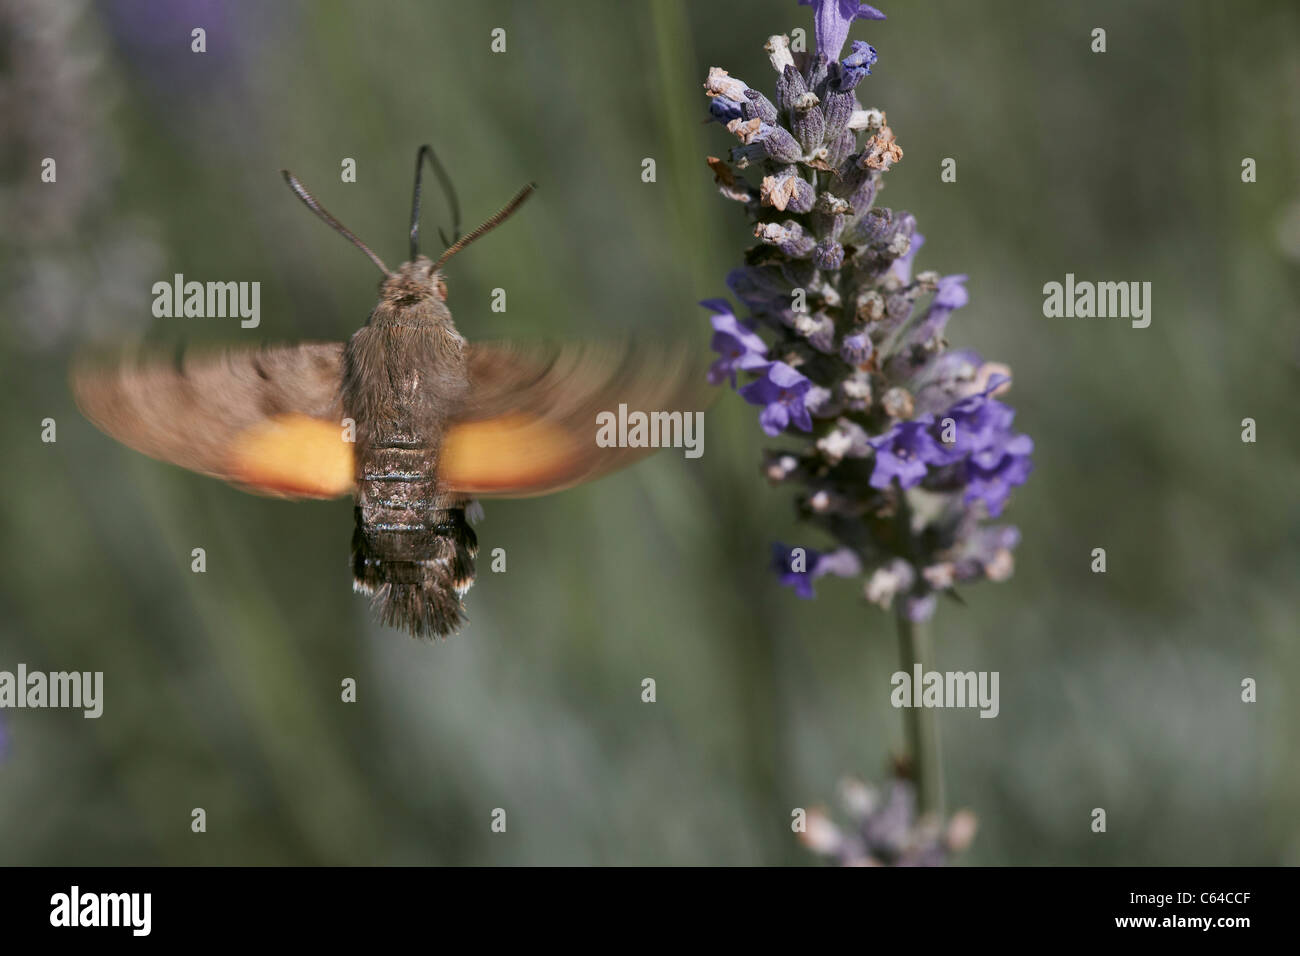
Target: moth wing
pixel 529 426
pixel 266 419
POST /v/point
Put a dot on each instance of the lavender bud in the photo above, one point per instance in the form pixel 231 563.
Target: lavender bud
pixel 832 205
pixel 834 445
pixel 788 236
pixel 881 151
pixel 865 193
pixel 828 219
pixel 939 576
pixel 817 71
pixel 820 402
pixel 822 502
pixel 866 119
pixel 850 177
pixel 898 307
pixel 888 580
pixel 819 330
pixel 855 391
pixel 928 280
pixel 721 83
pixel 790 86
pixel 778 51
pixel 897 403
pixel 839 148
pixel 1002 566
pixel 745 130
pixel 870 306
pixel 804 196
pixel 800 272
pixel 787 189
pixel 846 440
pixel 780 146
pixel 838 107
pixel 808 122
pixel 829 255
pixel 757 106
pixel 742 156
pixel 898 239
pixel 856 348
pixel 871 228
pixel 780 466
pixel 825 290
pixel 729 185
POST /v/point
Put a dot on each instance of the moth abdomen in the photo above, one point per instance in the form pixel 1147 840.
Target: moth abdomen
pixel 412 551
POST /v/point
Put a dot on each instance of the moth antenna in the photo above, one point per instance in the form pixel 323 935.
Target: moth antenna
pixel 310 202
pixel 499 217
pixel 448 190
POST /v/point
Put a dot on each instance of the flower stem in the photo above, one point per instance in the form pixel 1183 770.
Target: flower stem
pixel 921 724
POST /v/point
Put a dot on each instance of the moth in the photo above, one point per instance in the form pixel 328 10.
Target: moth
pixel 436 421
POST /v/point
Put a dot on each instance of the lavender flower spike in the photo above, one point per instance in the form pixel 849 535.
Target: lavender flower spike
pixel 900 452
pixel 888 423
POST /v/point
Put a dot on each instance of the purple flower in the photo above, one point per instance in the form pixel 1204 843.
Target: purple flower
pixel 781 391
pixel 856 65
pixel 842 562
pixel 979 421
pixel 951 293
pixel 919 607
pixel 905 451
pixel 831 19
pixel 950 296
pixel 902 266
pixel 724 110
pixel 993 472
pixel 947 377
pixel 737 345
pixel 783 563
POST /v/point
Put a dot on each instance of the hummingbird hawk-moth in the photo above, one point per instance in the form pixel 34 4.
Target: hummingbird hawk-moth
pixel 438 421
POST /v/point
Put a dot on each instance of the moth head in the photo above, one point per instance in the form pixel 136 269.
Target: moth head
pixel 414 281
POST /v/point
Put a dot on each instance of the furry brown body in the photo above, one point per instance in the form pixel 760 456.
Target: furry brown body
pixel 404 373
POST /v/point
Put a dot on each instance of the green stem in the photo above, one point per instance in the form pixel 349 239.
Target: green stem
pixel 921 724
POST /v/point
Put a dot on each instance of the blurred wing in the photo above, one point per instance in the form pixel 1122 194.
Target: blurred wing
pixel 267 419
pixel 529 426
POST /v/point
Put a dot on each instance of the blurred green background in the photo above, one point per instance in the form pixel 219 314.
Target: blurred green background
pixel 222 690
